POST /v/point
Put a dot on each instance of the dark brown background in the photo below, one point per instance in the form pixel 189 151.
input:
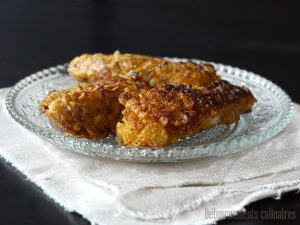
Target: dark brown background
pixel 260 36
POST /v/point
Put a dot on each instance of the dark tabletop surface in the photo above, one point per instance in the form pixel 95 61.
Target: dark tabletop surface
pixel 260 36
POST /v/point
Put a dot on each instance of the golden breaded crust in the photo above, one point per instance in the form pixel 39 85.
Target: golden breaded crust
pixel 90 111
pixel 161 116
pixel 155 70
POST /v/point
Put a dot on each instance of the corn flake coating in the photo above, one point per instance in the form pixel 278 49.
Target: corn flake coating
pixel 162 115
pixel 155 70
pixel 90 111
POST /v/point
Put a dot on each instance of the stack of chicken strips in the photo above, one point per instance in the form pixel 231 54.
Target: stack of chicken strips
pixel 146 101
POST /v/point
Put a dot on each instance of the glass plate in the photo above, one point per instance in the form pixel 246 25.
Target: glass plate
pixel 270 115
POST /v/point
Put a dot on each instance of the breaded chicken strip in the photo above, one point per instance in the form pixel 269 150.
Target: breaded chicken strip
pixel 90 111
pixel 155 70
pixel 162 115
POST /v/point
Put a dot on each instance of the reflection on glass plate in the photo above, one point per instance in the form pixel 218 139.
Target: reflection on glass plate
pixel 270 115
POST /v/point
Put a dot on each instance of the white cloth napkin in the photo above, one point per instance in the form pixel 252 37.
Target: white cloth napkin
pixel 110 192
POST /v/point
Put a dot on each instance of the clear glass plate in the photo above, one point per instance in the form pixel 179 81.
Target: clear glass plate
pixel 270 115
